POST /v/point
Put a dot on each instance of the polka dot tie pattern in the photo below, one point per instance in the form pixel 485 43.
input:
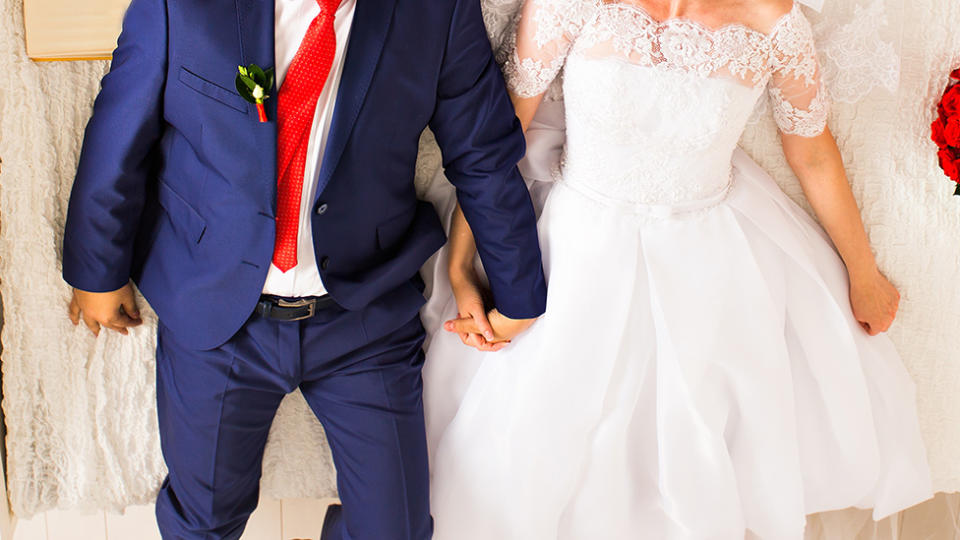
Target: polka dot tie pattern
pixel 296 106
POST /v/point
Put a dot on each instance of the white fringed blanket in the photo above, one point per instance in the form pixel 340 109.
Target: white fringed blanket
pixel 80 412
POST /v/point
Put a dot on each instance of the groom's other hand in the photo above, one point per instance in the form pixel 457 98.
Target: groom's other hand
pixel 116 310
pixel 504 329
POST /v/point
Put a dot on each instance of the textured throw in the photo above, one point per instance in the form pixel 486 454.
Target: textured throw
pixel 80 411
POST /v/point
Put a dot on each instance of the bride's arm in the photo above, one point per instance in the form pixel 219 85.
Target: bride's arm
pixel 818 165
pixel 471 307
pixel 471 304
pixel 526 108
pixel 463 248
pixel 801 107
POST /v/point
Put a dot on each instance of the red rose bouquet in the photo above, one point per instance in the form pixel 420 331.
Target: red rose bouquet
pixel 945 130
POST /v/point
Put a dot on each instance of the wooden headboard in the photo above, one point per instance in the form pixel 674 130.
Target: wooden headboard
pixel 71 29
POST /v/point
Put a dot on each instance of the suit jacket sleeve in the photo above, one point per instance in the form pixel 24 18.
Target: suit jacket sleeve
pixel 482 141
pixel 118 155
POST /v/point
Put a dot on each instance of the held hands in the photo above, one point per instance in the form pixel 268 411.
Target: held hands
pixel 874 300
pixel 116 310
pixel 478 328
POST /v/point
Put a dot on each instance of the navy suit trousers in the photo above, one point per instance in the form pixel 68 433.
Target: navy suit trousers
pixel 361 376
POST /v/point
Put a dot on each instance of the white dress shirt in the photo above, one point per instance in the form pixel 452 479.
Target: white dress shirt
pixel 293 17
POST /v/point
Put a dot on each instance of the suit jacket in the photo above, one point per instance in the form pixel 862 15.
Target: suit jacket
pixel 176 185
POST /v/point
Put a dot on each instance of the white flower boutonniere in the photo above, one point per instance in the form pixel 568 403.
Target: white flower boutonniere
pixel 253 83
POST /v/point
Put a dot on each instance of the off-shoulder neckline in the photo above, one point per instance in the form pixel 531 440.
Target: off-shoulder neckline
pixel 781 20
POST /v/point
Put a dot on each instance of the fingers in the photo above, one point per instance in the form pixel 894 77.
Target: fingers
pixel 481 344
pixel 112 313
pixel 118 321
pixel 130 310
pixel 884 325
pixel 474 328
pixel 92 324
pixel 122 320
pixel 476 341
pixel 116 327
pixel 463 325
pixel 876 328
pixel 482 323
pixel 890 313
pixel 467 330
pixel 881 324
pixel 74 311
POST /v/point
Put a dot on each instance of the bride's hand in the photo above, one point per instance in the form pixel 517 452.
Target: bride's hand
pixel 874 300
pixel 471 307
pixel 504 328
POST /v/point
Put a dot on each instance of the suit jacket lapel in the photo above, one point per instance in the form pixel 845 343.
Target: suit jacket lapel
pixel 256 22
pixel 371 22
pixel 255 19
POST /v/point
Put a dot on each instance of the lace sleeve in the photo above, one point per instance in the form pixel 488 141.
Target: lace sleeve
pixel 545 31
pixel 800 104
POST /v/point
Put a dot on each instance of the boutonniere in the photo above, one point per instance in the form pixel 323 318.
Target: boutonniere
pixel 253 83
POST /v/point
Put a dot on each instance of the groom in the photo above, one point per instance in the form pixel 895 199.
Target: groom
pixel 283 254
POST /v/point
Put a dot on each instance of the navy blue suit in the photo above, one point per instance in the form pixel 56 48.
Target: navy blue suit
pixel 176 190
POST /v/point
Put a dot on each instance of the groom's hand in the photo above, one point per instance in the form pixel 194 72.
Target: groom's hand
pixel 504 329
pixel 471 305
pixel 116 310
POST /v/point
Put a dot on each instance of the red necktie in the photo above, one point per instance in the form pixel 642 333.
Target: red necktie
pixel 296 106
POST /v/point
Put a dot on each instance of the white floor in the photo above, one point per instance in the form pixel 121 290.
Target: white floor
pixel 296 519
pixel 289 519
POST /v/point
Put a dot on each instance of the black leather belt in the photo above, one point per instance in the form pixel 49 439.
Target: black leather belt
pixel 286 309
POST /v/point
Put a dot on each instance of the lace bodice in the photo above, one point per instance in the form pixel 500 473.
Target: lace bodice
pixel 655 109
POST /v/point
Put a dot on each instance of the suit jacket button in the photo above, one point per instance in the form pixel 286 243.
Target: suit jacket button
pixel 322 209
pixel 324 263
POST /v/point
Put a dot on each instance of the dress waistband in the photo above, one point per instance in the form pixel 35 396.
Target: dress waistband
pixel 656 211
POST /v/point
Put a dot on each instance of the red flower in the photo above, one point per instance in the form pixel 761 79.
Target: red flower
pixel 951 131
pixel 936 133
pixel 945 130
pixel 949 164
pixel 951 100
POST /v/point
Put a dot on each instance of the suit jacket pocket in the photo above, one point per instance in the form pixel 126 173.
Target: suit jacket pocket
pixel 212 90
pixel 182 215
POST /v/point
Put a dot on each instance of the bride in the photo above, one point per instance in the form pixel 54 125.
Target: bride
pixel 707 367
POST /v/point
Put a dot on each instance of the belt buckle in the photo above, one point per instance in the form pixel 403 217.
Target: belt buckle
pixel 311 304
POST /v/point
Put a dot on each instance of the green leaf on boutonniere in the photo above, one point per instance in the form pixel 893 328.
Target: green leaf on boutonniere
pixel 957 192
pixel 253 83
pixel 257 72
pixel 245 91
pixel 248 82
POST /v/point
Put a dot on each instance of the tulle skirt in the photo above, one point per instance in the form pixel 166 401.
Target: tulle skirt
pixel 695 376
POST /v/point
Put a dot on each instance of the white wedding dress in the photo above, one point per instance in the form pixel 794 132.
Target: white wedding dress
pixel 698 373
